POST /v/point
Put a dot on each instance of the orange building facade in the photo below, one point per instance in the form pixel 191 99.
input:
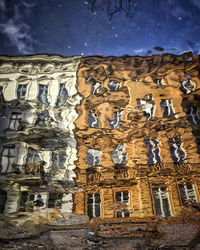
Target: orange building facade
pixel 138 136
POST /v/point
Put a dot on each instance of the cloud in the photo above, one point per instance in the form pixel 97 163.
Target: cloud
pixel 2 5
pixel 139 50
pixel 16 29
pixel 196 3
pixel 179 11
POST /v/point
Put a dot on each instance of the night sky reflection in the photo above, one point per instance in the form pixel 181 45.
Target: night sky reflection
pixel 71 28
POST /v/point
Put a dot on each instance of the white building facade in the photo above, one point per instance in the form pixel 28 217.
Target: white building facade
pixel 37 114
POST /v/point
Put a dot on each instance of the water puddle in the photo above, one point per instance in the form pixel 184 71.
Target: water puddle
pixel 99 145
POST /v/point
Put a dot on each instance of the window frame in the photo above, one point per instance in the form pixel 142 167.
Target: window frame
pixel 58 158
pixel 153 146
pixel 36 153
pixel 94 205
pixel 111 88
pixel 161 202
pixel 96 155
pixel 167 106
pixel 122 213
pixel 9 147
pixel 26 88
pixel 61 97
pixel 121 153
pixel 179 154
pixel 185 187
pixel 15 121
pixel 46 87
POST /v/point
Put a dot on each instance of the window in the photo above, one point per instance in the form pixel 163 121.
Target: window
pixel 197 139
pixel 154 151
pixel 26 202
pixel 7 158
pixel 94 157
pixel 193 116
pixel 187 87
pixel 177 152
pixel 122 197
pixel 42 96
pixel 198 145
pixel 95 85
pixel 59 158
pixel 187 192
pixel 42 118
pixel 167 107
pixel 55 200
pixel 148 106
pixel 59 120
pixel 23 201
pixel 32 156
pixel 114 85
pixel 21 91
pixel 93 120
pixel 62 96
pixel 117 118
pixel 15 120
pixel 94 205
pixel 157 81
pixel 161 202
pixel 119 156
pixel 3 198
pixel 3 109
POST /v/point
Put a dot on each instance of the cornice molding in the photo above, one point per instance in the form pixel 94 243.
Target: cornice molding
pixel 37 64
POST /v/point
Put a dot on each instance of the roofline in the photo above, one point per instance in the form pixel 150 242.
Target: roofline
pixel 40 57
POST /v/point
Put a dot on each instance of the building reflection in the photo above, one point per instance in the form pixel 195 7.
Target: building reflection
pixel 132 152
pixel 13 201
pixel 144 166
pixel 37 145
